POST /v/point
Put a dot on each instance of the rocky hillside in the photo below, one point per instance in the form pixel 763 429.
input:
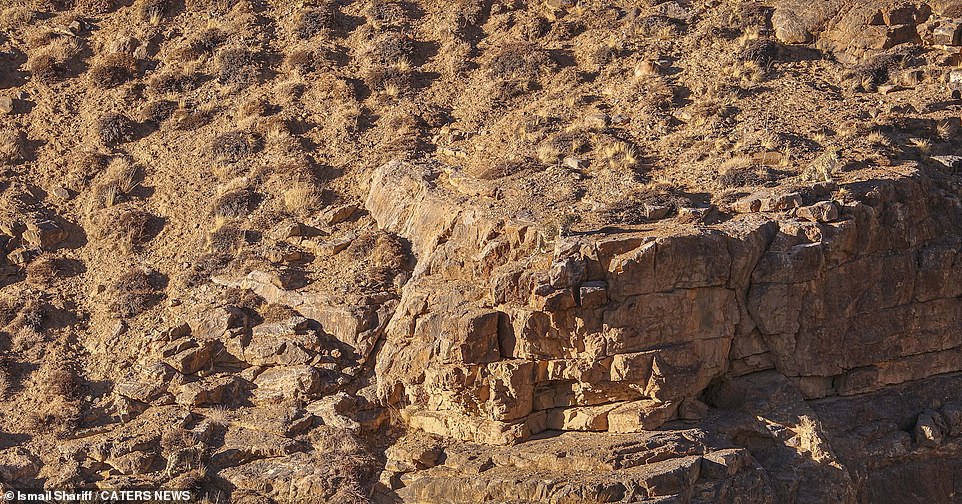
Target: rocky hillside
pixel 562 251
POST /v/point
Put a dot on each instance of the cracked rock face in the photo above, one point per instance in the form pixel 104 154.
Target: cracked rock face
pixel 629 326
pixel 627 333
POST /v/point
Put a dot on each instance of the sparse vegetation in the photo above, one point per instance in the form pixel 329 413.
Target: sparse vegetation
pixel 134 292
pixel 113 71
pixel 238 67
pixel 114 128
pixel 342 190
pixel 235 145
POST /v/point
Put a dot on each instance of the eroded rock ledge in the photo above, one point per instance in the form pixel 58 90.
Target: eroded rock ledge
pixel 494 341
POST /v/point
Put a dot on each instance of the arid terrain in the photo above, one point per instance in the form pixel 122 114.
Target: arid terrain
pixel 552 251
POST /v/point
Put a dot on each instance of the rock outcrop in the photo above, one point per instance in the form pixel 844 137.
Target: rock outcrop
pixel 618 330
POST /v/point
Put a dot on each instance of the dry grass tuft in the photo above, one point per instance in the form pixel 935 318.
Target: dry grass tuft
pixel 113 70
pixel 11 146
pixel 618 155
pixel 114 128
pixel 235 145
pixel 235 203
pixel 316 20
pixel 238 67
pixel 303 198
pixel 134 292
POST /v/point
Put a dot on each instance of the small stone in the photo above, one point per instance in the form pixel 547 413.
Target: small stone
pixel 20 256
pixel 748 204
pixel 638 416
pixel 949 33
pixel 60 192
pixel 559 301
pixel 929 429
pixel 823 211
pixel 780 202
pixel 331 247
pixel 288 382
pixel 673 10
pixel 693 214
pixel 119 329
pixel 391 479
pixel 75 27
pixel 655 212
pixel 824 188
pixel 6 105
pixel 286 229
pixel 192 360
pixel 950 162
pixel 339 214
pixel 574 163
pixel 724 464
pixel 593 294
pixel 889 88
pixel 620 120
pixel 598 121
pixel 568 272
pixel 44 234
pixel 952 416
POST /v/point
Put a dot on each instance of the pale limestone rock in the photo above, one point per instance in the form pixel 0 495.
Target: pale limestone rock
pixel 823 211
pixel 286 382
pixel 640 416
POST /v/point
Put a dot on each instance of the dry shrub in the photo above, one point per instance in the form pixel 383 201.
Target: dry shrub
pixel 375 258
pixel 303 198
pixel 46 68
pixel 744 174
pixel 236 203
pixel 9 308
pixel 630 209
pixel 153 10
pixel 114 128
pixel 204 44
pixel 203 267
pixel 95 7
pixel 383 14
pixel 11 146
pixel 350 466
pixel 235 145
pixel 19 314
pixel 618 155
pixel 114 70
pixel 16 17
pixel 316 20
pixel 158 111
pixel 43 271
pixel 189 119
pixel 761 51
pixel 388 48
pixel 394 80
pixel 176 439
pixel 518 66
pixel 173 82
pixel 134 292
pixel 238 67
pixel 55 416
pixel 6 376
pixel 59 388
pixel 49 64
pixel 59 382
pixel 305 60
pixel 226 238
pixel 129 227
